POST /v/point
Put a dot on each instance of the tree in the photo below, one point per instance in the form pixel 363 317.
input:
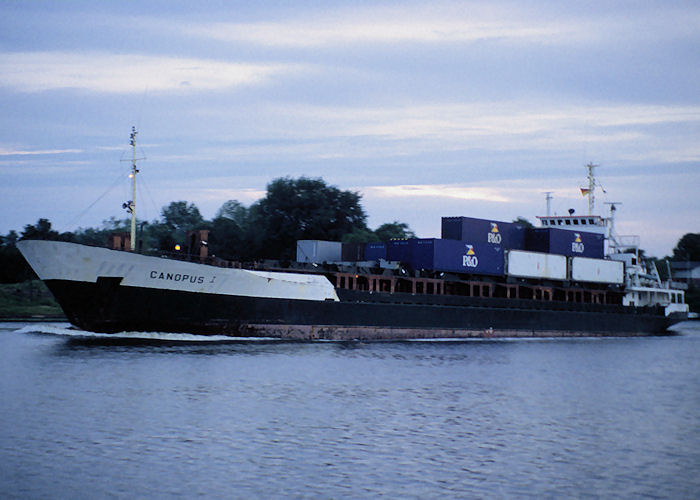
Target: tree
pixel 394 231
pixel 233 210
pixel 298 209
pixel 39 231
pixel 230 234
pixel 13 267
pixel 42 231
pixel 176 219
pixel 688 248
pixel 10 239
pixel 180 216
pixel 360 235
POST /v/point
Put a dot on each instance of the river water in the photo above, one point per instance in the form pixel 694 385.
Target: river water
pixel 144 416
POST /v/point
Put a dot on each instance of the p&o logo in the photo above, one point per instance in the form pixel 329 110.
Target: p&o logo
pixel 577 244
pixel 470 259
pixel 494 236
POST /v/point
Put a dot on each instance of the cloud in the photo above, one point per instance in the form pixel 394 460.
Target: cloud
pixel 497 118
pixel 331 32
pixel 24 152
pixel 513 192
pixel 455 22
pixel 638 132
pixel 460 192
pixel 113 73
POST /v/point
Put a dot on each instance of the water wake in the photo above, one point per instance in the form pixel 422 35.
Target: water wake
pixel 66 330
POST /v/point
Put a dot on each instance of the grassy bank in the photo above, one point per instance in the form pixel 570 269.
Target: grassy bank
pixel 28 300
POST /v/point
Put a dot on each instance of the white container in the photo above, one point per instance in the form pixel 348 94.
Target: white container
pixel 523 264
pixel 318 251
pixel 597 270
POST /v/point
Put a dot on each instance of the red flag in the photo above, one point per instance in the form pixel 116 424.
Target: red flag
pixel 585 191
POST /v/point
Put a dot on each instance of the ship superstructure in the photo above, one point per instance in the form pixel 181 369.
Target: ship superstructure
pixel 643 285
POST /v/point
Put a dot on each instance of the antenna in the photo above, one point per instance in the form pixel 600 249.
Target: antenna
pixel 548 197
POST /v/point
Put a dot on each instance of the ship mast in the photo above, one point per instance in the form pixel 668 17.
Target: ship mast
pixel 132 203
pixel 548 197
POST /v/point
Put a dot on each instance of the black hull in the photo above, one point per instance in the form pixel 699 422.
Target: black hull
pixel 109 307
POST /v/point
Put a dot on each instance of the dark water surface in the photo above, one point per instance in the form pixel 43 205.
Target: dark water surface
pixel 84 417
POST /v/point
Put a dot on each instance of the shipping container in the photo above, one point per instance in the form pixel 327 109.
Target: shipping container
pixel 352 252
pixel 597 270
pixel 506 234
pixel 457 256
pixel 424 254
pixel 400 250
pixel 375 251
pixel 565 242
pixel 523 264
pixel 318 251
pixel 452 228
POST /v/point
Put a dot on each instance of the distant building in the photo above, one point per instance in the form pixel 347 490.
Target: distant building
pixel 686 271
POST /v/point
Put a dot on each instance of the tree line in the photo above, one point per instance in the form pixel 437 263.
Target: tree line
pixel 291 210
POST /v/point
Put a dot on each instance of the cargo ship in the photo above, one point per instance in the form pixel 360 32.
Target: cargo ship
pixel 483 278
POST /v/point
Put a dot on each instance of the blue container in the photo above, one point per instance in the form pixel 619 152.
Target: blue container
pixel 375 251
pixel 565 242
pixel 506 234
pixel 458 256
pixel 400 250
pixel 452 228
pixel 424 254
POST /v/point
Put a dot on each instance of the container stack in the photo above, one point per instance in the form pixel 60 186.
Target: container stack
pixel 484 247
pixel 457 256
pixel 565 242
pixel 509 235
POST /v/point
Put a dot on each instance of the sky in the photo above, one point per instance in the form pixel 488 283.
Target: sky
pixel 427 109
